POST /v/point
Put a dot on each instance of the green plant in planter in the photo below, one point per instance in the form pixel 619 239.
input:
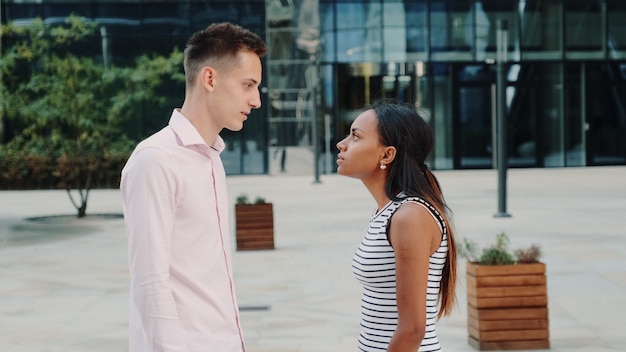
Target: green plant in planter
pixel 243 199
pixel 499 253
pixel 260 200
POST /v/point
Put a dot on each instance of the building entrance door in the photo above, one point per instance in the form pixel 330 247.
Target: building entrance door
pixel 475 113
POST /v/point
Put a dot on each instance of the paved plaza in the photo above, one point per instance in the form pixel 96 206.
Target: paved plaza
pixel 64 283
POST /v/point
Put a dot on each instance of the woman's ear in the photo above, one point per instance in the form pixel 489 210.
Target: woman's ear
pixel 390 154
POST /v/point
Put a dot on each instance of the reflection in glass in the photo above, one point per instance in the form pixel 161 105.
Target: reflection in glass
pixel 616 26
pixel 294 38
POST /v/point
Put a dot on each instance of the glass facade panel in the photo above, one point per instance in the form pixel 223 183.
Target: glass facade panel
pixel 417 32
pixel 366 31
pixel 330 132
pixel 541 29
pixel 393 28
pixel 524 101
pixel 372 44
pixel 122 32
pixel 486 15
pixel 451 21
pixel 583 25
pixel 421 86
pixel 349 32
pixel 552 114
pixel 576 114
pixel 443 116
pixel 327 35
pixel 350 46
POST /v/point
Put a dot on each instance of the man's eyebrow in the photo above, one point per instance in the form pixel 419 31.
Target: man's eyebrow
pixel 356 129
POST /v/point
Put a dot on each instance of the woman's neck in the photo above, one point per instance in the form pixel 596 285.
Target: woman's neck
pixel 376 187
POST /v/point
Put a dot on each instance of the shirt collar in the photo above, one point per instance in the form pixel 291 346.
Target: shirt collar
pixel 189 135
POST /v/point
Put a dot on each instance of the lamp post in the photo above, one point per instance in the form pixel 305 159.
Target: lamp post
pixel 501 128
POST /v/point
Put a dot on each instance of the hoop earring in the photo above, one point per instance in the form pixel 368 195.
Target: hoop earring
pixel 382 166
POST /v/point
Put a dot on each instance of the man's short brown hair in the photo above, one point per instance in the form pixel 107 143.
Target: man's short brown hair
pixel 218 45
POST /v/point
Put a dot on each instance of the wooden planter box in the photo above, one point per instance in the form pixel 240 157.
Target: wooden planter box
pixel 507 307
pixel 254 226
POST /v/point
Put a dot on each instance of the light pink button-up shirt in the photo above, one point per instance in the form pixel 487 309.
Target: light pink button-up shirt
pixel 182 295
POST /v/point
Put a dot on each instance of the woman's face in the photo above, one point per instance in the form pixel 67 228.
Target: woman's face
pixel 361 151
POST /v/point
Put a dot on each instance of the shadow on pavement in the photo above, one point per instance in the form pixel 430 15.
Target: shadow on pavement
pixel 50 228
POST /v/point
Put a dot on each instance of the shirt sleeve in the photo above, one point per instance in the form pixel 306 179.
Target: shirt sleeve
pixel 148 190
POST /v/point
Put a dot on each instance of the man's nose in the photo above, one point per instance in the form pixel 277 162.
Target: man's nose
pixel 255 102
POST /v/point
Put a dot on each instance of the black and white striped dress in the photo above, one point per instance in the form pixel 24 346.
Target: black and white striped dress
pixel 374 265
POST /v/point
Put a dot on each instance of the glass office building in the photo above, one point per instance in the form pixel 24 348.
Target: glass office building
pixel 565 73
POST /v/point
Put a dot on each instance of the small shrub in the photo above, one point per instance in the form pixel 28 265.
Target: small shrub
pixel 528 255
pixel 499 253
pixel 242 199
pixel 496 256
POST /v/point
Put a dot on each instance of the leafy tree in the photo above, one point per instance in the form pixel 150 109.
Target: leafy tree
pixel 61 98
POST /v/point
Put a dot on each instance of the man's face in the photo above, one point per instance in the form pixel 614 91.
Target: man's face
pixel 236 92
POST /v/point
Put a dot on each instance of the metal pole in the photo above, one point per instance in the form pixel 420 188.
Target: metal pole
pixel 315 136
pixel 502 37
pixel 494 129
pixel 314 83
pixel 327 147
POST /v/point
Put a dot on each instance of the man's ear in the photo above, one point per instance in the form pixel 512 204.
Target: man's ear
pixel 390 154
pixel 207 77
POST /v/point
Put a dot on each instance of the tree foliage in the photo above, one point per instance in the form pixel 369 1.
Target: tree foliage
pixel 66 105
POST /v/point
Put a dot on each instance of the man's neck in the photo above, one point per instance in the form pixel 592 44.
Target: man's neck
pixel 202 122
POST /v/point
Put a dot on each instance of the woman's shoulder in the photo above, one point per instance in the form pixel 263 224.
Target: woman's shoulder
pixel 413 224
pixel 413 206
pixel 414 211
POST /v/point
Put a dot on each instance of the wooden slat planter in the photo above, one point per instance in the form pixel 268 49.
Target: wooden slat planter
pixel 507 307
pixel 254 226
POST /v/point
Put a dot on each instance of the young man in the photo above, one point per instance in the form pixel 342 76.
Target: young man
pixel 182 295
